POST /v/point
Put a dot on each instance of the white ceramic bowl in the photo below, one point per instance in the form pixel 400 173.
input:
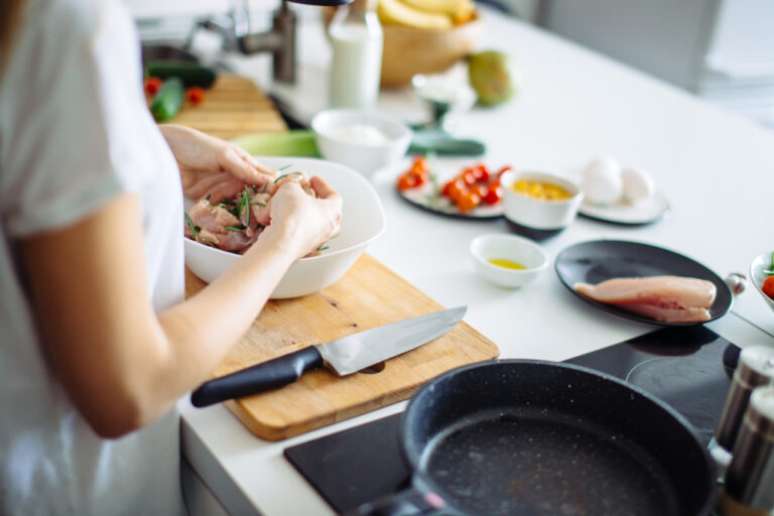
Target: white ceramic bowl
pixel 362 221
pixel 510 247
pixel 757 276
pixel 534 216
pixel 365 158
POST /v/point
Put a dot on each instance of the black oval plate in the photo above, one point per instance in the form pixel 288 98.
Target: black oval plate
pixel 600 260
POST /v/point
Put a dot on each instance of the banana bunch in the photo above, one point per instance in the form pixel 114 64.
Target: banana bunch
pixel 426 14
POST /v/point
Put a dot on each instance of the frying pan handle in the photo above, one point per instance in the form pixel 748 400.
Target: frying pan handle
pixel 409 502
pixel 737 282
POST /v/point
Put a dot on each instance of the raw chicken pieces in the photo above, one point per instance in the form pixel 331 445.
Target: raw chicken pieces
pixel 663 298
pixel 234 224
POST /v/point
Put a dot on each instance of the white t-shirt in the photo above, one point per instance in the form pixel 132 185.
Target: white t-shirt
pixel 74 133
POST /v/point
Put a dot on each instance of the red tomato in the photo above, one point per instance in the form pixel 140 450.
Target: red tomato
pixel 446 188
pixel 419 164
pixel 768 287
pixel 479 189
pixel 406 182
pixel 493 195
pixel 194 95
pixel 152 85
pixel 468 201
pixel 457 189
pixel 420 178
pixel 481 173
pixel 468 177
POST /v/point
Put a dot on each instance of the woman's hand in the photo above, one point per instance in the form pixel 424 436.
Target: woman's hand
pixel 211 165
pixel 300 222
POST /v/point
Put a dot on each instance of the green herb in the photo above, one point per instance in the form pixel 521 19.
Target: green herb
pixel 324 247
pixel 285 167
pixel 193 228
pixel 235 228
pixel 282 176
pixel 770 270
pixel 244 207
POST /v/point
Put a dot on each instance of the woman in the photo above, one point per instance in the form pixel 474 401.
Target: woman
pixel 97 343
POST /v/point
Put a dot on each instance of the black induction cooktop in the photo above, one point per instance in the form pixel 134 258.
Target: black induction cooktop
pixel 689 368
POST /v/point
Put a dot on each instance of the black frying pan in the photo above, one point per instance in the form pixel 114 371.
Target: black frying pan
pixel 520 437
pixel 600 260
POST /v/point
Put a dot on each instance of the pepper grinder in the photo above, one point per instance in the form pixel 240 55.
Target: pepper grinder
pixel 755 369
pixel 749 484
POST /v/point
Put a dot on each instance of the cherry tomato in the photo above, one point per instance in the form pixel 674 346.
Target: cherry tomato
pixel 493 195
pixel 420 164
pixel 446 188
pixel 457 189
pixel 195 95
pixel 481 173
pixel 468 201
pixel 479 189
pixel 468 177
pixel 406 182
pixel 420 178
pixel 768 287
pixel 152 85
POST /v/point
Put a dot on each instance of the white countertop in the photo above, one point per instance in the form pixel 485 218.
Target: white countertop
pixel 716 168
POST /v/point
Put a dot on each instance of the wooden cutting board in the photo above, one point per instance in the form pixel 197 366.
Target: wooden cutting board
pixel 232 107
pixel 369 295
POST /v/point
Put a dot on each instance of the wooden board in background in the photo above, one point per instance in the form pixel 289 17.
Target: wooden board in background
pixel 234 106
pixel 368 296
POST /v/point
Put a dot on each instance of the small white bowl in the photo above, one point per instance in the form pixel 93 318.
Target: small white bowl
pixel 757 276
pixel 510 247
pixel 363 157
pixel 362 221
pixel 534 217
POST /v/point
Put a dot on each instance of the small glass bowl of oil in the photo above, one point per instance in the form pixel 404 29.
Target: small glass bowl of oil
pixel 508 261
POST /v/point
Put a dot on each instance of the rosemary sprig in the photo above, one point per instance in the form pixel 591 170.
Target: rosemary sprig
pixel 323 247
pixel 284 167
pixel 193 228
pixel 244 207
pixel 282 176
pixel 235 228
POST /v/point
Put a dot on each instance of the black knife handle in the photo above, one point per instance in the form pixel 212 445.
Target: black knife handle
pixel 275 373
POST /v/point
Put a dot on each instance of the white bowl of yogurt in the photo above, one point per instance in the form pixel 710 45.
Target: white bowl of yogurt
pixel 363 140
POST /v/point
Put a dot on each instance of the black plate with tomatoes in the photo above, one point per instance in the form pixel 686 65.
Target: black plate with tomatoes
pixel 474 193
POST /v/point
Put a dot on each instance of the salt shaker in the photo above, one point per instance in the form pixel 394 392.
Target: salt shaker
pixel 750 477
pixel 755 368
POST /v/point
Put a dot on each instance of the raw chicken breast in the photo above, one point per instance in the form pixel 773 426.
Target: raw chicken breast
pixel 663 298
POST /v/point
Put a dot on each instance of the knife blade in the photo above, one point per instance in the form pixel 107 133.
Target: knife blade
pixel 343 356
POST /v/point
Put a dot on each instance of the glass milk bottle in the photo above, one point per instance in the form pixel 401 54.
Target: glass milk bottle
pixel 356 37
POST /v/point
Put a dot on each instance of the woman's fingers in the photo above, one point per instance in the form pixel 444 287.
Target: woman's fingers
pixel 201 186
pixel 322 188
pixel 238 163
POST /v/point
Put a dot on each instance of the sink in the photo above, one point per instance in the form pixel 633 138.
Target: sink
pixel 163 51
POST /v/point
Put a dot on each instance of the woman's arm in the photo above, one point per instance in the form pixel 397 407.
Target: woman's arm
pixel 122 364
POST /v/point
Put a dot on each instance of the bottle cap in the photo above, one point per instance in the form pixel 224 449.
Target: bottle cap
pixel 756 366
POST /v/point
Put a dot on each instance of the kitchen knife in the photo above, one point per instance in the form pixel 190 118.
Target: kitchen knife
pixel 344 356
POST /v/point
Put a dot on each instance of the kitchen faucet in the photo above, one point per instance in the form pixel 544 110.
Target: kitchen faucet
pixel 237 35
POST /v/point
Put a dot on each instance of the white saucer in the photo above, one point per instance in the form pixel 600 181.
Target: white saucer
pixel 645 212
